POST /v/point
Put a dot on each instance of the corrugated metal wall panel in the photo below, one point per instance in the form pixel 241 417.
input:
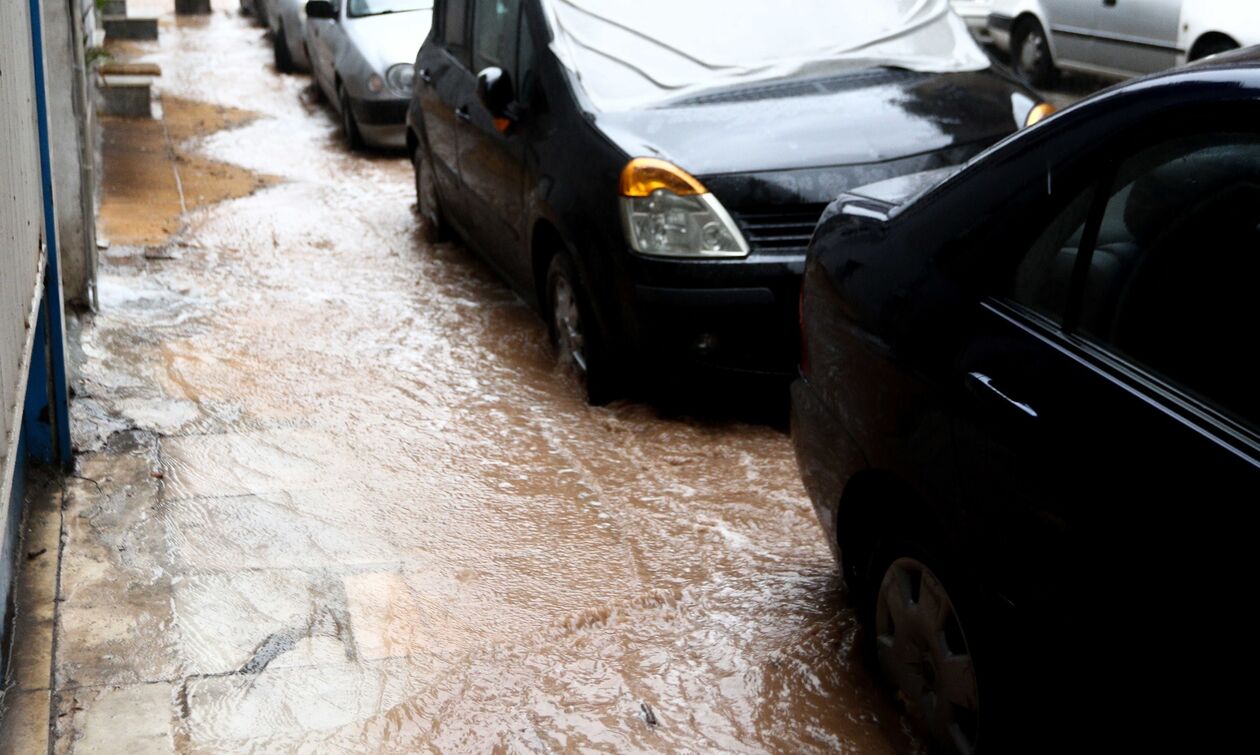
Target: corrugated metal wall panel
pixel 21 210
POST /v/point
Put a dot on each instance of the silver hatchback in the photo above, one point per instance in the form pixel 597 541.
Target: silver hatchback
pixel 362 55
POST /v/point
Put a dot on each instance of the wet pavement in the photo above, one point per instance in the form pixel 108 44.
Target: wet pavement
pixel 334 493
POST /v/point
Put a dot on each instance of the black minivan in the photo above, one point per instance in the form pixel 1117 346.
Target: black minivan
pixel 650 173
pixel 1029 420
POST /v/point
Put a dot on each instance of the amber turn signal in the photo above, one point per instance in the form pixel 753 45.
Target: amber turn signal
pixel 644 175
pixel 1039 113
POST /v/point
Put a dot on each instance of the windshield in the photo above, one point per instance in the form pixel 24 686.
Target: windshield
pixel 633 54
pixel 376 7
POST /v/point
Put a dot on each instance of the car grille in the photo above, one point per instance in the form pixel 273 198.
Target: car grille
pixel 785 229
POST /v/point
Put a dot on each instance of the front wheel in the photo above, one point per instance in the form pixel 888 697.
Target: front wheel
pixel 349 127
pixel 923 653
pixel 574 333
pixel 1030 54
pixel 280 51
pixel 428 206
pixel 1214 46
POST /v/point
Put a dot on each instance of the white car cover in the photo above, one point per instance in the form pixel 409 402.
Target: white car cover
pixel 635 53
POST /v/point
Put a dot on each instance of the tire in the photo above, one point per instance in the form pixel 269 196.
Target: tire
pixel 428 205
pixel 573 331
pixel 349 128
pixel 280 50
pixel 1030 54
pixel 1213 46
pixel 921 648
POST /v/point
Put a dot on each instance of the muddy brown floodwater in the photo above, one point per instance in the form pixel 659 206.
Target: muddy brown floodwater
pixel 336 495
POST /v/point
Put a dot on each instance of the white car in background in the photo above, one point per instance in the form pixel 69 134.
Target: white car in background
pixel 1118 38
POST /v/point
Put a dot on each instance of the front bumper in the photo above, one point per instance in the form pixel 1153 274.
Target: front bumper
pixel 729 315
pixel 382 122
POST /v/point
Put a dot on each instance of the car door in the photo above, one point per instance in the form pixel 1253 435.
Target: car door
pixel 1109 429
pixel 445 85
pixel 1137 36
pixel 492 153
pixel 1072 27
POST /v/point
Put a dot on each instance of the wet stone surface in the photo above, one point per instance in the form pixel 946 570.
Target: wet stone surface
pixel 333 492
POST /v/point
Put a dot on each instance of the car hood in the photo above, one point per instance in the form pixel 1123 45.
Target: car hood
pixel 389 38
pixel 873 116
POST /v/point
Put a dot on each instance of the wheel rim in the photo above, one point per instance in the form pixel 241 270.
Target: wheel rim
pixel 568 325
pixel 1030 55
pixel 426 191
pixel 923 653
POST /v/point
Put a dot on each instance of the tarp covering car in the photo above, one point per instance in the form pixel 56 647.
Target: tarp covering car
pixel 635 54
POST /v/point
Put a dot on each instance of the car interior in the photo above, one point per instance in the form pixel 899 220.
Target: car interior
pixel 1178 252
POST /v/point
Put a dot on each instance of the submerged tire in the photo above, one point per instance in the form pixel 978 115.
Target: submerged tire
pixel 428 206
pixel 574 333
pixel 280 51
pixel 922 651
pixel 349 127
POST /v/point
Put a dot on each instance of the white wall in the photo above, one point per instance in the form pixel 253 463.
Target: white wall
pixel 21 226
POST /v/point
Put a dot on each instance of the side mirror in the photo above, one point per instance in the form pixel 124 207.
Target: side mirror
pixel 494 91
pixel 321 9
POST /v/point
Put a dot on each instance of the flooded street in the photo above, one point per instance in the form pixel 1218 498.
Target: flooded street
pixel 334 492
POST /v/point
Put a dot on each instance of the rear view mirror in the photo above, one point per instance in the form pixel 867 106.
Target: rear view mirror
pixel 494 90
pixel 321 9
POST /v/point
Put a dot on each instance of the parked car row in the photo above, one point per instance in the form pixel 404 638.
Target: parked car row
pixel 1024 407
pixel 361 54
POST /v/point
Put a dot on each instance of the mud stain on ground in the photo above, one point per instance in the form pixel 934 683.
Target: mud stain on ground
pixel 153 173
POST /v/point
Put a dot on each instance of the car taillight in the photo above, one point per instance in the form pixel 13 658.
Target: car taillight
pixel 800 316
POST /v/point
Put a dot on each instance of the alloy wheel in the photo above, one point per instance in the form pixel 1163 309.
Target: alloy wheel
pixel 426 191
pixel 923 653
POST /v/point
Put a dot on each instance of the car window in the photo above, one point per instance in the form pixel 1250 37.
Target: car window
pixel 455 28
pixel 525 61
pixel 1171 283
pixel 494 34
pixel 1044 275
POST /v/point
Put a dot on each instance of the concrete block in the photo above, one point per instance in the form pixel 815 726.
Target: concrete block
pixel 124 27
pixel 128 96
pixel 192 7
pixel 130 69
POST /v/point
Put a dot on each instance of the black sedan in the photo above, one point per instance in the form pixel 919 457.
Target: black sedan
pixel 650 174
pixel 1029 420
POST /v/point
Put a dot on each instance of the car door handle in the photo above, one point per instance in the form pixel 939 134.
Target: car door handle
pixel 425 75
pixel 1109 3
pixel 463 114
pixel 983 383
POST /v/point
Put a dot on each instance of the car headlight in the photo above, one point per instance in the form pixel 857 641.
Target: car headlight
pixel 401 78
pixel 668 213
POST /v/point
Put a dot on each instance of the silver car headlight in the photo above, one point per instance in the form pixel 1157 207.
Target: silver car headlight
pixel 401 78
pixel 668 213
